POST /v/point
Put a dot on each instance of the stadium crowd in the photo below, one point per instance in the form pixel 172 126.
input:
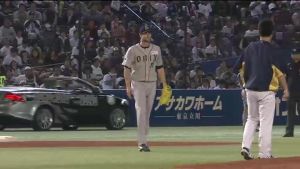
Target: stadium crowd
pixel 41 39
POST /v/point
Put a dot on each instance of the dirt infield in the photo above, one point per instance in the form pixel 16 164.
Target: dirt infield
pixel 29 144
pixel 276 163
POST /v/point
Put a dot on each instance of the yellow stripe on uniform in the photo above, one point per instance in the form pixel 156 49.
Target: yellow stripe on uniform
pixel 274 85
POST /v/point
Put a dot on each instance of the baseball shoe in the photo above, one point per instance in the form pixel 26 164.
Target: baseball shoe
pixel 144 148
pixel 288 135
pixel 266 157
pixel 246 154
pixel 262 156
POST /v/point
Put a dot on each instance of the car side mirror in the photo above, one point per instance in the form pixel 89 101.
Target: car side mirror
pixel 97 90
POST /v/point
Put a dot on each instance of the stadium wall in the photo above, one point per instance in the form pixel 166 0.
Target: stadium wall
pixel 201 108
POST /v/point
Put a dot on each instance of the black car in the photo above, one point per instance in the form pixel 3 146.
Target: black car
pixel 65 101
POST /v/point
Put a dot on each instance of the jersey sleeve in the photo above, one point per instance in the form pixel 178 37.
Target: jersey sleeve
pixel 128 58
pixel 159 61
pixel 278 73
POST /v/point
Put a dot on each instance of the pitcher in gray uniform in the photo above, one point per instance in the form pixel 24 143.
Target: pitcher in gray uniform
pixel 142 64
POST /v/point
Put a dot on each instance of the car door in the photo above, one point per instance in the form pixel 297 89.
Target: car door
pixel 84 100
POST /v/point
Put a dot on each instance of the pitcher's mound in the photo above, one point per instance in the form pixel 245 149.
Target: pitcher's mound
pixel 276 163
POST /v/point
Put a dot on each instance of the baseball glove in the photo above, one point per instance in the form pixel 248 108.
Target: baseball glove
pixel 166 94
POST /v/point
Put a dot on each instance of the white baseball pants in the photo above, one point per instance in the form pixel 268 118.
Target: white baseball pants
pixel 144 94
pixel 261 109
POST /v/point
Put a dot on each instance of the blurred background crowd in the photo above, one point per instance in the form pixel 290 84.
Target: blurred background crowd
pixel 88 39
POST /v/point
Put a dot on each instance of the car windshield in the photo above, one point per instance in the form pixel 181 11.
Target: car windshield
pixel 64 84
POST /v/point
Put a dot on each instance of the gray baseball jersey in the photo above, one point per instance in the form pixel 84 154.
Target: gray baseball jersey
pixel 143 62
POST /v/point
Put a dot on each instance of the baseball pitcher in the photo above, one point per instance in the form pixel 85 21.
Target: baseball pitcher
pixel 142 64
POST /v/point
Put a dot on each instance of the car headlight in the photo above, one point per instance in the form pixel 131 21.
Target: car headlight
pixel 124 102
pixel 111 100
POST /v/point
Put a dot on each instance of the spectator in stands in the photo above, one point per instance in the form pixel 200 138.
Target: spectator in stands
pixel 197 54
pixel 96 70
pixel 14 68
pixel 18 41
pixel 228 28
pixel 8 7
pixel 7 32
pixel 257 8
pixel 182 80
pixel 211 51
pixel 28 78
pixel 200 75
pixel 32 28
pixel 181 35
pixel 66 69
pixel 199 41
pixel 212 81
pixel 132 36
pixel 64 42
pixel 53 57
pixel 205 8
pixel 90 50
pixel 36 58
pixel 117 29
pixel 20 16
pixel 50 14
pixel 87 73
pixel 34 14
pixel 107 13
pixel 12 56
pixel 225 46
pixel 56 72
pixel 68 18
pixel 229 77
pixel 48 36
pixel 252 31
pixel 161 8
pixel 25 47
pixel 108 49
pixel 93 30
pixel 250 35
pixel 205 85
pixel 221 69
pixel 25 57
pixel 147 10
pixel 94 14
pixel 109 80
pixel 102 32
pixel 5 50
pixel 296 18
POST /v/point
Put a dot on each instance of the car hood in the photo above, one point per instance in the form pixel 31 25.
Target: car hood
pixel 24 89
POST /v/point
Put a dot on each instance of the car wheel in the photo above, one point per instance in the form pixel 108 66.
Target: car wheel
pixel 116 119
pixel 43 120
pixel 70 127
pixel 2 127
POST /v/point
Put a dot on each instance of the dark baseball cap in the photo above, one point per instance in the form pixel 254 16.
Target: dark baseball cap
pixel 145 28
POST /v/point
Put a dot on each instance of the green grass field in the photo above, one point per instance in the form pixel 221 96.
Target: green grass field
pixel 129 157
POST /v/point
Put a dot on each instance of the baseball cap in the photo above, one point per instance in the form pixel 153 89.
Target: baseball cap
pixel 27 68
pixel 296 51
pixel 145 28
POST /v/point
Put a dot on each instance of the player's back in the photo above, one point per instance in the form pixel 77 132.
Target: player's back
pixel 259 58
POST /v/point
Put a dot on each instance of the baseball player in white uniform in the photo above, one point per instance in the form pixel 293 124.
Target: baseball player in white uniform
pixel 142 64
